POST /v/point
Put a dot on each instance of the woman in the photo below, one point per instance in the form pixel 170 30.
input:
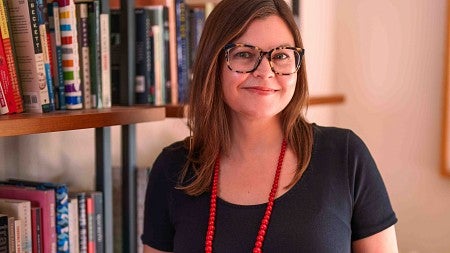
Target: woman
pixel 254 175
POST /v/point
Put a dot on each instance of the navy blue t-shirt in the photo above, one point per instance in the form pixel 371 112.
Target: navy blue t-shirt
pixel 340 198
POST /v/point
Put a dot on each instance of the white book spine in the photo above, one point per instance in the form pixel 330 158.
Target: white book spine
pixel 106 60
pixel 73 226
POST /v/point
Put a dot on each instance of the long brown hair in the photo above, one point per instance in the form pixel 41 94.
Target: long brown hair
pixel 208 116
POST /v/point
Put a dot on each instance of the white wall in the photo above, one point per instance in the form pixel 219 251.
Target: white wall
pixel 389 63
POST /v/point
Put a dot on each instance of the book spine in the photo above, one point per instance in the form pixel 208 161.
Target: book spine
pixel 18 236
pixel 3 106
pixel 5 28
pixel 3 233
pixel 62 218
pixel 105 60
pixel 182 50
pixel 73 225
pixel 115 56
pixel 83 46
pixel 82 222
pixel 20 209
pixel 70 55
pixel 55 34
pixel 5 79
pixel 144 52
pixel 11 238
pixel 37 229
pixel 90 224
pixel 44 33
pixel 29 53
pixel 94 53
pixel 97 198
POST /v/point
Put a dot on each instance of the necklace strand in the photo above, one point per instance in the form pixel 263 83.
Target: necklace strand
pixel 266 218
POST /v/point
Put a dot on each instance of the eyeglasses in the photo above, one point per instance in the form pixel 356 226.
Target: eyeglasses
pixel 243 58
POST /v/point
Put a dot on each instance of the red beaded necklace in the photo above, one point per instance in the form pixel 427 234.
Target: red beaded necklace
pixel 265 220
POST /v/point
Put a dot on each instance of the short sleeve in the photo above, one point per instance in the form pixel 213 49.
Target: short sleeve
pixel 158 230
pixel 372 210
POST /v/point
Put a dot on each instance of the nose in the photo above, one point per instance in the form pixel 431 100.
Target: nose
pixel 264 69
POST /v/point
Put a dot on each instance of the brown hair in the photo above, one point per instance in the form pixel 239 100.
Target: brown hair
pixel 208 116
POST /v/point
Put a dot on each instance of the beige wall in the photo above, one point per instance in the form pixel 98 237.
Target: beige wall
pixel 387 58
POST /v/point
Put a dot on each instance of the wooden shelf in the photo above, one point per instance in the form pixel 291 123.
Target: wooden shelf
pixel 180 111
pixel 31 123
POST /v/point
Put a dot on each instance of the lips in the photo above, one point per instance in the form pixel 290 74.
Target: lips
pixel 261 90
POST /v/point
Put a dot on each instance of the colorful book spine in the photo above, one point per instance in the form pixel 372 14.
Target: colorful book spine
pixel 94 53
pixel 58 74
pixel 105 60
pixel 5 28
pixel 70 55
pixel 45 34
pixel 182 50
pixel 91 228
pixel 83 46
pixel 20 209
pixel 5 80
pixel 97 199
pixel 36 222
pixel 30 59
pixel 42 198
pixel 3 106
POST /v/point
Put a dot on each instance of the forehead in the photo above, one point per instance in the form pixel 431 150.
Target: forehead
pixel 267 33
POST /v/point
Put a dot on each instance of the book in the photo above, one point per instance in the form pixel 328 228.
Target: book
pixel 105 60
pixel 4 241
pixel 114 16
pixel 55 35
pixel 91 228
pixel 73 225
pixel 44 199
pixel 182 49
pixel 97 201
pixel 144 82
pixel 29 52
pixel 95 53
pixel 70 54
pixel 5 80
pixel 20 209
pixel 82 222
pixel 83 47
pixel 11 237
pixel 5 28
pixel 42 21
pixel 61 208
pixel 18 236
pixel 3 105
pixel 160 30
pixel 36 228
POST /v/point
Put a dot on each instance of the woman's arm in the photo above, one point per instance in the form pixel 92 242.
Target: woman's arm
pixel 148 249
pixel 381 242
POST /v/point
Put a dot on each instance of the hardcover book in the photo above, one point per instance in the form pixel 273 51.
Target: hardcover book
pixel 44 199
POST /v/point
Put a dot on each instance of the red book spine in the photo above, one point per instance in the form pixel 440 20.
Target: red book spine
pixel 5 80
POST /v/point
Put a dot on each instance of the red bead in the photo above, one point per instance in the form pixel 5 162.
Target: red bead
pixel 268 213
pixel 256 250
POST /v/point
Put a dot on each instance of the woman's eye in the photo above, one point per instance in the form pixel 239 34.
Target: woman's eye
pixel 244 55
pixel 280 56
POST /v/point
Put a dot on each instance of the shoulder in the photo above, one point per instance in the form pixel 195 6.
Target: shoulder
pixel 170 161
pixel 335 137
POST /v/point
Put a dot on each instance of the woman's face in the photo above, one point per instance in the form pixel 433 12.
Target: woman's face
pixel 261 93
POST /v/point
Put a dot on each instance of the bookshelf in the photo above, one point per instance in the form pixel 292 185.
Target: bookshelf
pixel 100 120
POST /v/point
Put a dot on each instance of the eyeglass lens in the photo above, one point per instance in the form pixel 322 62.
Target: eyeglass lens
pixel 246 59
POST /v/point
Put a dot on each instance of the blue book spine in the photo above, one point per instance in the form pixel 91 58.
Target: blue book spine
pixel 182 50
pixel 55 34
pixel 44 32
